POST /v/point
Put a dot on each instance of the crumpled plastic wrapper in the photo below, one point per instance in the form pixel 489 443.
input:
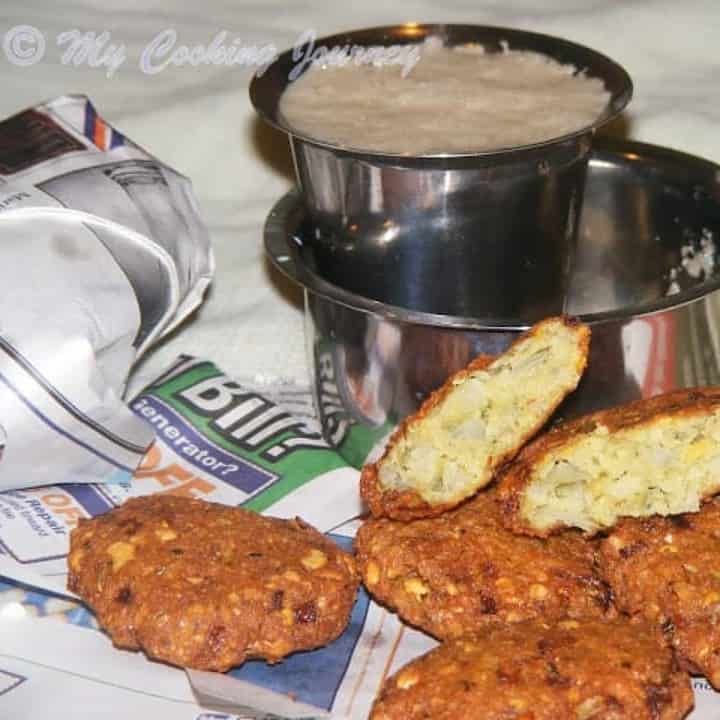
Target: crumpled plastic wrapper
pixel 102 251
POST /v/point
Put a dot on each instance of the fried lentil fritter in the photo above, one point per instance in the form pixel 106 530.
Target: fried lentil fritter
pixel 207 586
pixel 667 570
pixel 658 456
pixel 458 572
pixel 475 422
pixel 589 670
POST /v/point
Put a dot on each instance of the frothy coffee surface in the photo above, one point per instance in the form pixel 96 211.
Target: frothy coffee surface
pixel 453 100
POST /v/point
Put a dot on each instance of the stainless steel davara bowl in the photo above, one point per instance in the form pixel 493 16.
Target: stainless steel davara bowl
pixel 501 224
pixel 646 278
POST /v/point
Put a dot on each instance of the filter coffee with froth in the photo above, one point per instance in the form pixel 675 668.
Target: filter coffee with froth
pixel 454 100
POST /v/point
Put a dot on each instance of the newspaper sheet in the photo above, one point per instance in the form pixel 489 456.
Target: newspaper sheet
pixel 102 251
pixel 194 408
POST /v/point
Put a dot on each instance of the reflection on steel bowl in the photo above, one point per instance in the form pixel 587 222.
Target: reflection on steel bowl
pixel 646 278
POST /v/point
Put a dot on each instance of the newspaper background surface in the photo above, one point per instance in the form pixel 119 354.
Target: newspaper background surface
pixel 38 624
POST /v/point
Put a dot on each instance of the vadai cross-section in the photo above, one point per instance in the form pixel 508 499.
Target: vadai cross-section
pixel 477 421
